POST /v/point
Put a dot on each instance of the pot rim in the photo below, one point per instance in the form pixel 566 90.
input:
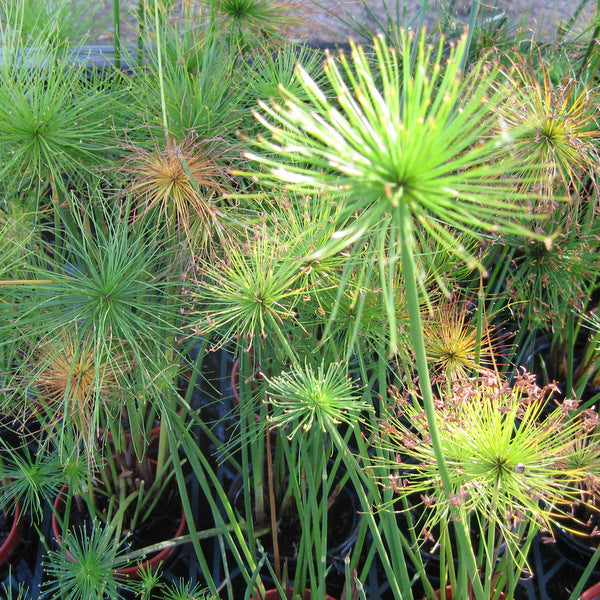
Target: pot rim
pixel 12 539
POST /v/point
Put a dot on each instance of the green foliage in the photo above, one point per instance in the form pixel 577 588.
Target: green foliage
pixel 30 478
pixel 418 138
pixel 390 20
pixel 248 22
pixel 185 590
pixel 547 283
pixel 105 344
pixel 268 71
pixel 505 449
pixel 304 398
pixel 251 295
pixel 179 187
pixel 407 192
pixel 201 91
pixel 10 593
pixel 113 283
pixel 302 475
pixel 554 124
pixel 54 119
pixel 85 566
pixel 61 25
pixel 19 239
pixel 458 341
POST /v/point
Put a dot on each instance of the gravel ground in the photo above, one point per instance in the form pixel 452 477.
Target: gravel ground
pixel 323 20
pixel 540 16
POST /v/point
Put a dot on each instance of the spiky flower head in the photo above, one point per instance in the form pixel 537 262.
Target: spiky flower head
pixel 76 386
pixel 313 397
pixel 54 116
pixel 29 478
pixel 457 345
pixel 185 590
pixel 245 21
pixel 85 567
pixel 554 124
pixel 405 140
pixel 114 294
pixel 511 459
pixel 181 182
pixel 251 295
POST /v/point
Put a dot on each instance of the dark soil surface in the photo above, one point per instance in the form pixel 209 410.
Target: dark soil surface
pixel 161 526
pixel 342 525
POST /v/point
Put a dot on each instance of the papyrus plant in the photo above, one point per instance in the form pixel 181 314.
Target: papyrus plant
pixel 179 184
pixel 307 403
pixel 56 118
pixel 404 141
pixel 555 123
pixel 514 464
pixel 412 142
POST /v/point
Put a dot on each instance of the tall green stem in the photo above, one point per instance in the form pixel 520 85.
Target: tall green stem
pixel 416 334
pixel 366 495
pixel 163 438
pixel 117 34
pixel 571 336
pixel 592 43
pixel 140 38
pixel 161 75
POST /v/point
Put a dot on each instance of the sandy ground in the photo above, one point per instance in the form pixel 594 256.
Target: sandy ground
pixel 330 21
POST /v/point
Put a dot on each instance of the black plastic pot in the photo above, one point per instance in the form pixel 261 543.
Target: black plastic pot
pixel 576 550
pixel 153 562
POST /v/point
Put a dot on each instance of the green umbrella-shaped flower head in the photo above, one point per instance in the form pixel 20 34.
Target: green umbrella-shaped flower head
pixel 405 143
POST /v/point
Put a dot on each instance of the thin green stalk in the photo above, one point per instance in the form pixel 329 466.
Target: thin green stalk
pixel 205 534
pixel 357 478
pixel 161 75
pixel 466 557
pixel 122 504
pixel 571 337
pixel 470 30
pixel 221 509
pixel 414 313
pixel 140 38
pixel 272 507
pixel 304 465
pixel 562 31
pixel 479 316
pixel 139 506
pixel 163 446
pixel 252 455
pixel 117 34
pixel 585 575
pixel 593 40
pixel 26 282
pixel 387 263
